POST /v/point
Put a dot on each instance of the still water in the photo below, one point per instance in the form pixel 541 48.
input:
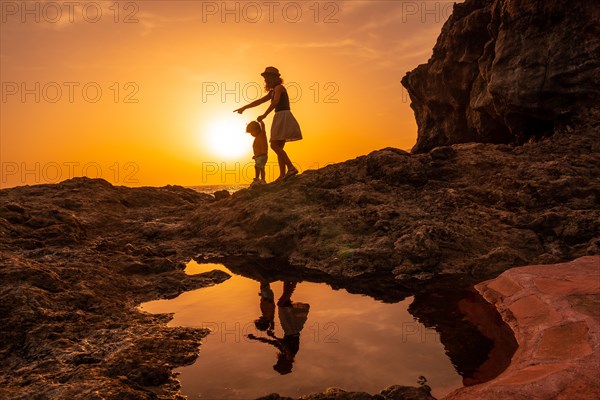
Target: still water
pixel 311 337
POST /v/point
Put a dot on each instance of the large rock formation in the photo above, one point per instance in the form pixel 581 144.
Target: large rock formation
pixel 505 71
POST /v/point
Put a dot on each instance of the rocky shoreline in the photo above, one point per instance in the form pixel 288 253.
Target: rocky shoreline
pixel 79 256
pixel 70 327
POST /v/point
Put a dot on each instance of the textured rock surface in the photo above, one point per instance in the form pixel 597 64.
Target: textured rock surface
pixel 473 209
pixel 68 297
pixel 554 311
pixel 505 71
pixel 76 258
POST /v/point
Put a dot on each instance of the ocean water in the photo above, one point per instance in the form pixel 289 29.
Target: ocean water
pixel 210 189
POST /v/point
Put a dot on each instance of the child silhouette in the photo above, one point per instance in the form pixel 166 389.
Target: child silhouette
pixel 261 149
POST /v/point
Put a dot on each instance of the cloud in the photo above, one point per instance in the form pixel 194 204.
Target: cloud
pixel 349 7
pixel 150 21
pixel 343 47
pixel 318 45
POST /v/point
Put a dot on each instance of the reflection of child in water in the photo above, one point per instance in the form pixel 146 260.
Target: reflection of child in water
pixel 266 322
pixel 292 317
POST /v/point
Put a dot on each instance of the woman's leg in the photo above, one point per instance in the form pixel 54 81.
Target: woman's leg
pixel 282 157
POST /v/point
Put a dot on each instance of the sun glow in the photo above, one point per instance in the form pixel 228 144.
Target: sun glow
pixel 225 136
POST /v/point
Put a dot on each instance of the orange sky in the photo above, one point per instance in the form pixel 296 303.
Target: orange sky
pixel 171 73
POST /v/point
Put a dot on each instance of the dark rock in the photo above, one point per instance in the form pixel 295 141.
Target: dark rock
pixel 68 297
pixel 406 393
pixel 221 194
pixel 506 71
pixel 79 359
pixel 442 153
pixel 15 207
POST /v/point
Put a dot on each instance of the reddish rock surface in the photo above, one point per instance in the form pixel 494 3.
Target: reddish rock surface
pixel 554 313
pixel 505 71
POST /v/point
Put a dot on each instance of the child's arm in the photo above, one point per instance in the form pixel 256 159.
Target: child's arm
pixel 262 126
pixel 255 103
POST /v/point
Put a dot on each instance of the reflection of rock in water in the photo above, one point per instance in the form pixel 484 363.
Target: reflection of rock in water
pixel 478 342
pixel 395 392
pixel 379 285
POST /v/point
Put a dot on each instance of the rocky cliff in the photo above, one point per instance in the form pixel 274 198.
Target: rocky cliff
pixel 507 71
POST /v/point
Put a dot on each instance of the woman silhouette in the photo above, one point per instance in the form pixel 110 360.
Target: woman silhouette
pixel 292 317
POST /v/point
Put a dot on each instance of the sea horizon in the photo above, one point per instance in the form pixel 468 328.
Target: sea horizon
pixel 210 189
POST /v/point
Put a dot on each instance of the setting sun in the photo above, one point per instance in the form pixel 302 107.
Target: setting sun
pixel 225 136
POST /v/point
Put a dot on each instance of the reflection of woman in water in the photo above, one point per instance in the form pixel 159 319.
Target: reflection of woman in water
pixel 292 317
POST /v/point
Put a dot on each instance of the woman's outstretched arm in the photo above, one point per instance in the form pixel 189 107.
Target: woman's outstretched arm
pixel 255 103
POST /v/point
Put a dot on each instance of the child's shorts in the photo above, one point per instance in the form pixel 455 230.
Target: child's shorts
pixel 261 161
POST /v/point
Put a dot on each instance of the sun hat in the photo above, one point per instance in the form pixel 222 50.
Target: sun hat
pixel 271 71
